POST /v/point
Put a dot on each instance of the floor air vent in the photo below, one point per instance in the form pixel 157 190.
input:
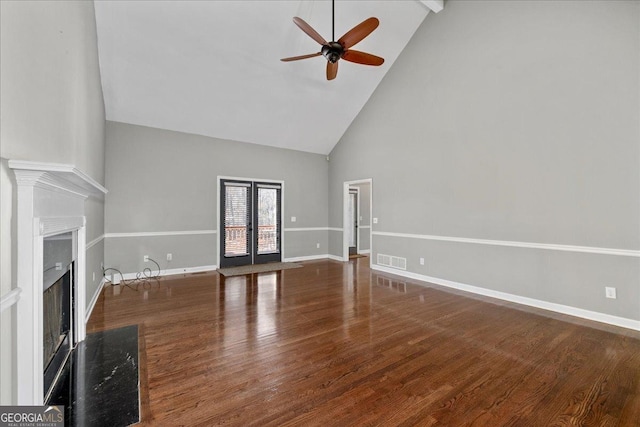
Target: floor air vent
pixel 392 261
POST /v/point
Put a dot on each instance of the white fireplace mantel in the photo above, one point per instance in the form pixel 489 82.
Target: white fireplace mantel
pixel 50 201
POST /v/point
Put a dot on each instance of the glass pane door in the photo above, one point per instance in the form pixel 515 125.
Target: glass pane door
pixel 242 204
pixel 236 223
pixel 268 220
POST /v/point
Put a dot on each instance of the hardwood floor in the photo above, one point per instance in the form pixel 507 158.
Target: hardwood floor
pixel 336 344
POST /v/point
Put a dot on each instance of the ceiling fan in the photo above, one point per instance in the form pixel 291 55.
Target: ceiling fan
pixel 341 49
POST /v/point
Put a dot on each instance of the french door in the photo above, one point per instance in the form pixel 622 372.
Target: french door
pixel 250 222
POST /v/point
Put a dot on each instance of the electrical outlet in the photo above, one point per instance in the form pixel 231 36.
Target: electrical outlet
pixel 318 245
pixel 94 276
pixel 375 220
pixel 610 292
pixel 169 257
pixel 58 266
pixel 293 219
pixel 146 258
pixel 421 261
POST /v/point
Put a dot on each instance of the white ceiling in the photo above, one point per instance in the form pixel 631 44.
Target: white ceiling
pixel 213 67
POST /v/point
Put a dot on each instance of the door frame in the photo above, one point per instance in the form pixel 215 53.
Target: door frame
pixel 219 179
pixel 346 220
pixel 356 190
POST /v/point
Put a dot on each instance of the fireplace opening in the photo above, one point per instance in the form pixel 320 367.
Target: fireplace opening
pixel 57 307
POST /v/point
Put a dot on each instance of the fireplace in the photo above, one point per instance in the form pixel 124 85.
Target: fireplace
pixel 57 305
pixel 51 270
pixel 57 341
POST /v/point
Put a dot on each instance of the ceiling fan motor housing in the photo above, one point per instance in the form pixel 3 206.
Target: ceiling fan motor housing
pixel 332 51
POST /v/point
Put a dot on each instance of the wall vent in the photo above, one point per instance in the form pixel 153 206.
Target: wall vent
pixel 392 261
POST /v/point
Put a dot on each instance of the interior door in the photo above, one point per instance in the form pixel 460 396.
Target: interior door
pixel 353 215
pixel 250 215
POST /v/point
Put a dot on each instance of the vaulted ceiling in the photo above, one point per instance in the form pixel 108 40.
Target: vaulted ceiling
pixel 213 67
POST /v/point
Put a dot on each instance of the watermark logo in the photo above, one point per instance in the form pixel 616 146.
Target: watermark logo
pixel 31 416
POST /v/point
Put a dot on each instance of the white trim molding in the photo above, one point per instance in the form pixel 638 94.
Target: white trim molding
pixel 335 229
pixel 545 305
pixel 159 233
pixel 307 229
pixel 56 176
pixel 434 5
pixel 94 300
pixel 307 258
pixel 51 200
pixel 191 232
pixel 529 245
pixel 95 242
pixel 9 299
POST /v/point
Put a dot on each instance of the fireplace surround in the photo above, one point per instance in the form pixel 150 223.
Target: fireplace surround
pixel 50 202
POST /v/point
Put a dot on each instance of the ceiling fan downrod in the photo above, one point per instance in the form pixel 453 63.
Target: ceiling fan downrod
pixel 333 50
pixel 333 20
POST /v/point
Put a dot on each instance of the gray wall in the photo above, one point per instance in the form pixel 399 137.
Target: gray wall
pixel 509 121
pixel 162 181
pixel 52 111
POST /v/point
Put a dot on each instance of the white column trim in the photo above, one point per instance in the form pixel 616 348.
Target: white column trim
pixel 81 285
pixel 41 186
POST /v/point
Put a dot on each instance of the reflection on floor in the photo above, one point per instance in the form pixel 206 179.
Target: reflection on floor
pixel 99 383
pixel 338 344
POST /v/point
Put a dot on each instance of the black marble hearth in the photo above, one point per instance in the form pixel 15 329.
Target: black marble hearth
pixel 99 383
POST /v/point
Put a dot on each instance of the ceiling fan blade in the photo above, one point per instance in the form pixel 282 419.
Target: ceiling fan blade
pixel 309 30
pixel 359 32
pixel 332 70
pixel 362 58
pixel 296 58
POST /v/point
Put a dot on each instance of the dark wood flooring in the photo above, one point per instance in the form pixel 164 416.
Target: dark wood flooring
pixel 335 344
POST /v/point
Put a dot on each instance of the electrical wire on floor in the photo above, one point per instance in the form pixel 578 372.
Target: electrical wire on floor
pixel 146 277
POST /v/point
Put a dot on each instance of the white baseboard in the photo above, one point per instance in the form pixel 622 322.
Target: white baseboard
pixel 545 305
pixel 187 270
pixel 131 276
pixel 364 252
pixel 94 300
pixel 169 272
pixel 314 257
pixel 306 258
